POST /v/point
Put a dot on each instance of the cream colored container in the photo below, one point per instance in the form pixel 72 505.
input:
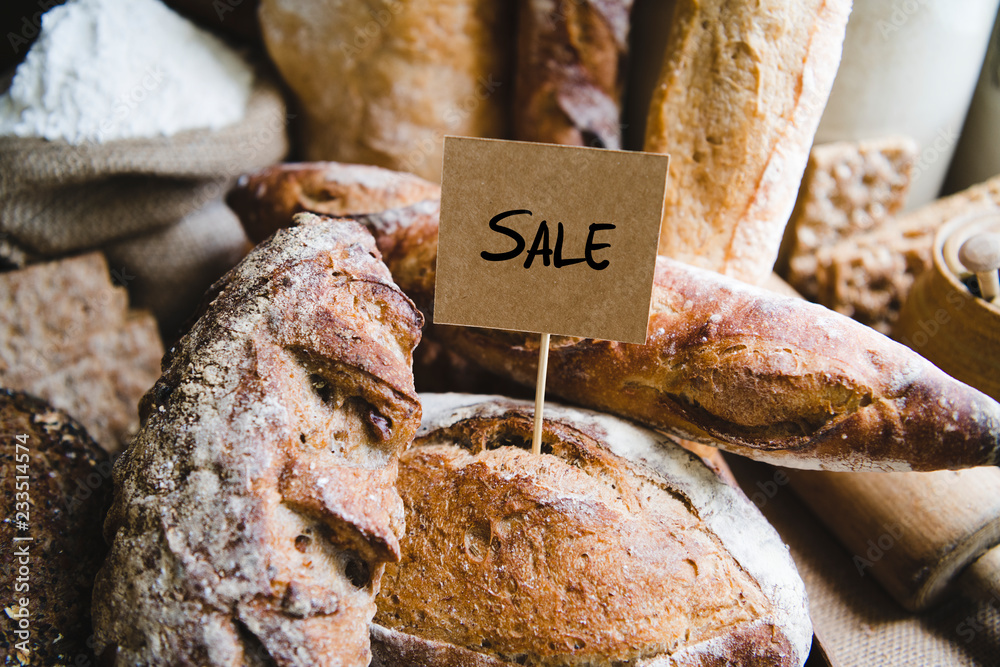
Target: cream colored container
pixel 910 67
pixel 978 154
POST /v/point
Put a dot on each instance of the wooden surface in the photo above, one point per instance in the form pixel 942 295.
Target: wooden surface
pixel 913 532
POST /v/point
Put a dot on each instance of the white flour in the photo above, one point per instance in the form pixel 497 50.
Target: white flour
pixel 116 69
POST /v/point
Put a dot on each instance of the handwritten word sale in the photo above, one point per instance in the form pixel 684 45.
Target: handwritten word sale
pixel 540 246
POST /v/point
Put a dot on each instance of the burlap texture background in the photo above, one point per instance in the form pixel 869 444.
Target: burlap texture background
pixel 168 270
pixel 57 198
pixel 859 623
pixel 154 205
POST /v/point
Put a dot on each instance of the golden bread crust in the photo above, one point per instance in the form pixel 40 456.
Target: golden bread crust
pixel 740 95
pixel 574 557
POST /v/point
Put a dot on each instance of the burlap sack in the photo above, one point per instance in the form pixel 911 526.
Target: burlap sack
pixel 859 624
pixel 168 270
pixel 56 198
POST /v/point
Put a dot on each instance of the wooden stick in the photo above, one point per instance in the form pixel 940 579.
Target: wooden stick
pixel 543 367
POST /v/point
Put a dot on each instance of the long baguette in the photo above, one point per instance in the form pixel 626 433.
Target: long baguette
pixel 736 366
pixel 770 377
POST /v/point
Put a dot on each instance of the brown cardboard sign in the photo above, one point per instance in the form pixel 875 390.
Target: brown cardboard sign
pixel 549 239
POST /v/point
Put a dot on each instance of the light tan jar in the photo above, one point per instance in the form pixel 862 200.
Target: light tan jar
pixel 944 322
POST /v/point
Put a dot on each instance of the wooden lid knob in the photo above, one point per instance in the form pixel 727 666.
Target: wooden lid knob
pixel 981 253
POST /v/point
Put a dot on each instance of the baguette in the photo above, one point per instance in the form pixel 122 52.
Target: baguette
pixel 570 71
pixel 734 366
pixel 256 508
pixel 762 375
pixel 740 95
pixel 613 547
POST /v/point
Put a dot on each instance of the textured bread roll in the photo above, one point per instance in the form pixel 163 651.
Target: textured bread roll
pixel 741 92
pixel 52 549
pixel 381 82
pixel 613 547
pixel 256 507
pixel 736 366
pixel 571 71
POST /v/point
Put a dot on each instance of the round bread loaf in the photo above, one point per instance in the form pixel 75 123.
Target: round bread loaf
pixel 613 547
pixel 52 544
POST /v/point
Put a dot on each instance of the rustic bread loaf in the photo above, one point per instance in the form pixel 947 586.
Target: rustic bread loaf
pixel 256 507
pixel 50 464
pixel 612 547
pixel 266 200
pixel 849 187
pixel 735 366
pixel 382 82
pixel 571 71
pixel 68 336
pixel 770 377
pixel 741 92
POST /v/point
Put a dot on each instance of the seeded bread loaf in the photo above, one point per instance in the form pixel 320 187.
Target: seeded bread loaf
pixel 850 187
pixel 55 488
pixel 740 95
pixel 571 71
pixel 612 547
pixel 869 276
pixel 256 508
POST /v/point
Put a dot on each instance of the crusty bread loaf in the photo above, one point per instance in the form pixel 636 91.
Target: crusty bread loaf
pixel 570 71
pixel 399 209
pixel 849 187
pixel 613 547
pixel 68 336
pixel 256 507
pixel 266 200
pixel 381 82
pixel 736 366
pixel 740 95
pixel 55 488
pixel 766 376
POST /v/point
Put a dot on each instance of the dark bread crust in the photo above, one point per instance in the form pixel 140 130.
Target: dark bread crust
pixel 256 508
pixel 70 489
pixel 570 71
pixel 575 557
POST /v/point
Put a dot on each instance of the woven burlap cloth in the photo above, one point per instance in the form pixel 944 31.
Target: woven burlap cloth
pixel 858 623
pixel 154 206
